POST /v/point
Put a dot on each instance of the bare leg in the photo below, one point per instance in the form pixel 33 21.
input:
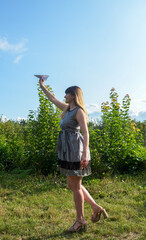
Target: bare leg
pixel 74 184
pixel 97 209
pixel 80 194
pixel 90 200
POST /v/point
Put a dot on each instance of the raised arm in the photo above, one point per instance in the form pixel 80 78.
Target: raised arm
pixel 51 97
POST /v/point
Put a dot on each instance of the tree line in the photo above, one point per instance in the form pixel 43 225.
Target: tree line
pixel 117 143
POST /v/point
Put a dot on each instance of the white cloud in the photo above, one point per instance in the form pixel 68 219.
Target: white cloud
pixel 18 59
pixel 137 110
pixel 92 108
pixel 4 118
pixel 137 106
pixel 14 48
pixel 19 119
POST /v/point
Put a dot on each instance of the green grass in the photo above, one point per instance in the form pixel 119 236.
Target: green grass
pixel 41 208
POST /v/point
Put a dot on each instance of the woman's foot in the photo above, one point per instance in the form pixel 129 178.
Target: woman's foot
pixel 97 214
pixel 79 225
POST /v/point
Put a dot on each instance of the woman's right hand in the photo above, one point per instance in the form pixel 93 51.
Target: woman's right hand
pixel 41 82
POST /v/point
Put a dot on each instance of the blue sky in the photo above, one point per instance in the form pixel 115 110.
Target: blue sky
pixel 95 44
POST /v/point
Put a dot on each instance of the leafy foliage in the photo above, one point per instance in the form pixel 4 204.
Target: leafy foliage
pixel 43 129
pixel 12 145
pixel 119 143
pixel 116 144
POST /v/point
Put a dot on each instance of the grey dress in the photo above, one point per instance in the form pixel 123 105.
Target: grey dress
pixel 70 147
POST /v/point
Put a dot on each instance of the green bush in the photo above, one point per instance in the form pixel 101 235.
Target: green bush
pixel 4 153
pixel 116 143
pixel 12 145
pixel 43 128
pixel 119 142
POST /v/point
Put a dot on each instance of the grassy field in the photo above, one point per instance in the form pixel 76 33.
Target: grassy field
pixel 41 208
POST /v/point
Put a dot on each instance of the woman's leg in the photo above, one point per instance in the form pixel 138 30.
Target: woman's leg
pixel 90 200
pixel 74 184
pixel 80 194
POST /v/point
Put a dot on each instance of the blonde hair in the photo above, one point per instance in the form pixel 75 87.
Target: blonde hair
pixel 77 93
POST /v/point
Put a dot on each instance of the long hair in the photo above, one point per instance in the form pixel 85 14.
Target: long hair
pixel 77 93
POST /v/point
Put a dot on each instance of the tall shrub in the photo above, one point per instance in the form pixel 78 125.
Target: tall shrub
pixel 43 127
pixel 121 140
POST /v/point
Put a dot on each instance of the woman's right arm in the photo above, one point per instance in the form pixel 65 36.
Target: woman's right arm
pixel 51 97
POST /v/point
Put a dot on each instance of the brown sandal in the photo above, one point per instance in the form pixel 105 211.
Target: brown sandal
pixel 81 227
pixel 97 216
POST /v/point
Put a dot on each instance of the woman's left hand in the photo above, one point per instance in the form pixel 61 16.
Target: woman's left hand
pixel 84 161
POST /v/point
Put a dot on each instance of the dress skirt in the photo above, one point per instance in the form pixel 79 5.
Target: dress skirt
pixel 70 149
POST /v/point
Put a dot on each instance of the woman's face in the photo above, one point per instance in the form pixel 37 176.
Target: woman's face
pixel 69 98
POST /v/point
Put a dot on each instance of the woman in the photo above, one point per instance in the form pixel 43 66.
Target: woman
pixel 73 152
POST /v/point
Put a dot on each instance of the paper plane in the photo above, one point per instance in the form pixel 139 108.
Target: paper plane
pixel 44 77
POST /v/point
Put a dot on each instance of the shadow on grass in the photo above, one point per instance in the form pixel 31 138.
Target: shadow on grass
pixel 28 183
pixel 23 181
pixel 62 235
pixel 67 235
